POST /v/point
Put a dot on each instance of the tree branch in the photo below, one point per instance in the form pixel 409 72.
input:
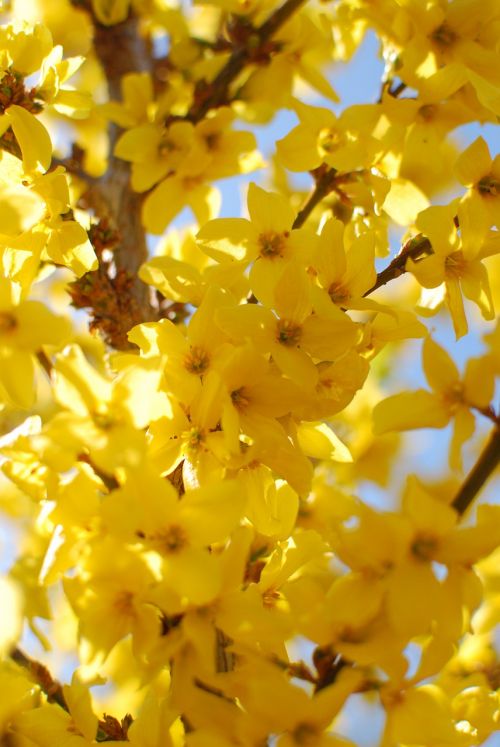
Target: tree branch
pixel 41 675
pixel 488 461
pixel 121 50
pixel 416 248
pixel 322 188
pixel 217 90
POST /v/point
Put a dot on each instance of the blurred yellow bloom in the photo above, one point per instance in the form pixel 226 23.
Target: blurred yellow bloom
pixel 12 617
pixel 25 327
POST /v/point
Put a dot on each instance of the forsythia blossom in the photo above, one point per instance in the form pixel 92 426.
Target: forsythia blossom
pixel 204 492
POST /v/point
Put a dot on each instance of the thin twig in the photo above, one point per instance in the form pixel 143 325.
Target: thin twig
pixel 45 362
pixel 121 49
pixel 395 92
pixel 488 461
pixel 41 675
pixel 416 248
pixel 321 189
pixel 218 88
pixel 489 412
pixel 110 481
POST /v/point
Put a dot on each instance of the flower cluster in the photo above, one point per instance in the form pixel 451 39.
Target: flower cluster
pixel 216 513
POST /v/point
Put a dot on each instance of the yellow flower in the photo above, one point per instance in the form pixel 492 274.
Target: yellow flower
pixel 343 273
pixel 192 435
pixel 293 336
pixel 137 106
pixel 288 711
pixel 183 272
pixel 51 726
pixel 171 195
pixel 147 512
pixel 453 398
pixel 155 152
pixel 105 417
pixel 54 73
pixel 21 208
pixel 111 599
pixel 449 46
pixel 31 136
pixel 252 419
pixel 188 155
pixel 24 46
pixel 266 240
pixel 422 715
pixel 322 138
pixel 18 695
pixel 186 355
pixel 25 326
pixel 479 209
pixel 449 270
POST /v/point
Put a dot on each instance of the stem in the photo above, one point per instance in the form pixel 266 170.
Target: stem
pixel 416 248
pixel 224 659
pixel 479 474
pixel 45 362
pixel 121 50
pixel 399 89
pixel 41 675
pixel 218 88
pixel 322 187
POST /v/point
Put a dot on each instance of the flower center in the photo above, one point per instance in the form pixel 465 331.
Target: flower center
pixel 103 418
pixel 455 264
pixel 424 546
pixel 489 186
pixel 124 603
pixel 197 360
pixel 272 244
pixel 329 139
pixel 454 396
pixel 444 36
pixel 338 292
pixel 427 112
pixel 170 540
pixel 194 439
pixel 288 332
pixel 305 734
pixel 240 399
pixel 8 322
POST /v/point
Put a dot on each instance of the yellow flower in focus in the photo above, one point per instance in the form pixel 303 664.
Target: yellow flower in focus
pixel 453 398
pixel 322 138
pixel 155 152
pixel 293 336
pixel 344 269
pixel 479 209
pixel 267 240
pixel 449 46
pixel 449 272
